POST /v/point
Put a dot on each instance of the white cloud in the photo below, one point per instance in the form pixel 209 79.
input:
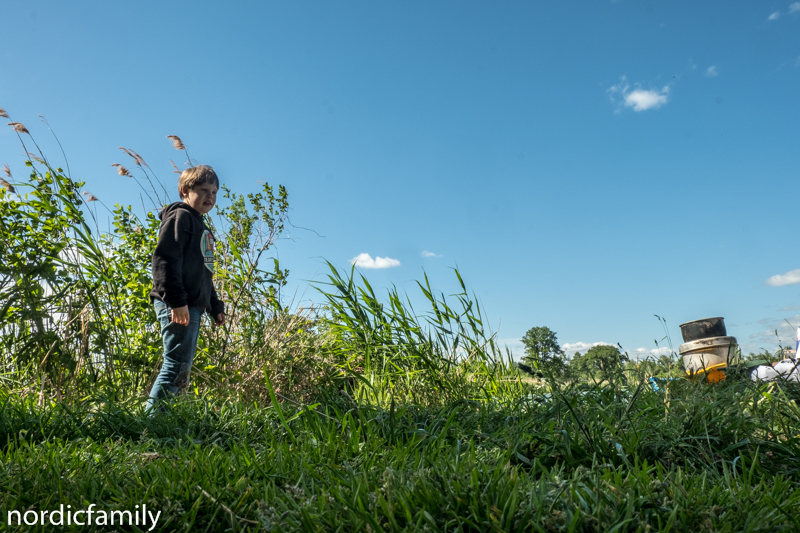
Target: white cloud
pixel 790 278
pixel 637 98
pixel 570 348
pixel 365 261
pixel 775 16
pixel 641 100
pixel 712 71
pixel 426 253
pixel 794 8
pixel 644 353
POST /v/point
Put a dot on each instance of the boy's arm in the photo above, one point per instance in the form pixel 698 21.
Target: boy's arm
pixel 217 305
pixel 168 264
pixel 217 309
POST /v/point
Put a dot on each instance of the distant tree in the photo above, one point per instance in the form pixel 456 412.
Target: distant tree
pixel 543 352
pixel 601 362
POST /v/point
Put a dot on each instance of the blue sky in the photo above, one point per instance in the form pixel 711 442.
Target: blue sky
pixel 585 165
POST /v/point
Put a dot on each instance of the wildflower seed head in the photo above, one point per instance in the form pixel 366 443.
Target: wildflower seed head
pixel 177 143
pixel 18 127
pixel 3 113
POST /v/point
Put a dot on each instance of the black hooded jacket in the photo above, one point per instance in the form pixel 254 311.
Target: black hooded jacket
pixel 183 262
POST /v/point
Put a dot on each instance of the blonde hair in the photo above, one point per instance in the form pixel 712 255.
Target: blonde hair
pixel 194 176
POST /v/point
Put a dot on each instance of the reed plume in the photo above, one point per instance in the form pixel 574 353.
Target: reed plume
pixel 89 196
pixel 139 159
pixel 7 170
pixel 136 157
pixel 3 113
pixel 18 127
pixel 34 157
pixel 122 171
pixel 176 142
pixel 8 186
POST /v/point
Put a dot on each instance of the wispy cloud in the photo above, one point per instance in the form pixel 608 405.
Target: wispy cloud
pixel 426 253
pixel 364 260
pixel 790 278
pixel 637 98
pixel 712 72
pixel 774 16
pixel 777 331
pixel 794 8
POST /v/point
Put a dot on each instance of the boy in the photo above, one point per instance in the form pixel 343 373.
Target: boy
pixel 183 266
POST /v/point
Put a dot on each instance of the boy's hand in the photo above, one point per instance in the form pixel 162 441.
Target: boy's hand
pixel 219 319
pixel 180 315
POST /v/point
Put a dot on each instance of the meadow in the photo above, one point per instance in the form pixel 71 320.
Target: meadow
pixel 362 415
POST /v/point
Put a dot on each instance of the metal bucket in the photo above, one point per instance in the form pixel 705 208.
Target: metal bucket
pixel 703 354
pixel 703 329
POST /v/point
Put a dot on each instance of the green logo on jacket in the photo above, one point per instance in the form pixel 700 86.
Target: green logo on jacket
pixel 207 248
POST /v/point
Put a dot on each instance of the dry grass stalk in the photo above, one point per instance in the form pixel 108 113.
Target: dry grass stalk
pixel 19 128
pixel 177 143
pixel 8 186
pixel 7 170
pixel 3 113
pixel 177 170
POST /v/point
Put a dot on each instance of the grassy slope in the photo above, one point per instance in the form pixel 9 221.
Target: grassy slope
pixel 723 458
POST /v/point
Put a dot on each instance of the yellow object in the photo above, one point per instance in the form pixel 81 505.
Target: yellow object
pixel 713 374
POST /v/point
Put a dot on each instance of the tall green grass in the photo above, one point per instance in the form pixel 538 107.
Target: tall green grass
pixel 523 464
pixel 443 355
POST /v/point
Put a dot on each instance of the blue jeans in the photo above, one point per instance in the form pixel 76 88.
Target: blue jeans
pixel 180 344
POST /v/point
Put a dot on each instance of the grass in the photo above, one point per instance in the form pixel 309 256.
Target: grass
pixel 720 458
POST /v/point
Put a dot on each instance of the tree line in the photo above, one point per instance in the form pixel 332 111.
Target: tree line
pixel 545 358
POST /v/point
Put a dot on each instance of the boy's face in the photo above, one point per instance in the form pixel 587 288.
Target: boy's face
pixel 201 197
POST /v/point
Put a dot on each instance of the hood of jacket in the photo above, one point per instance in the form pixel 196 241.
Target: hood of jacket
pixel 174 207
